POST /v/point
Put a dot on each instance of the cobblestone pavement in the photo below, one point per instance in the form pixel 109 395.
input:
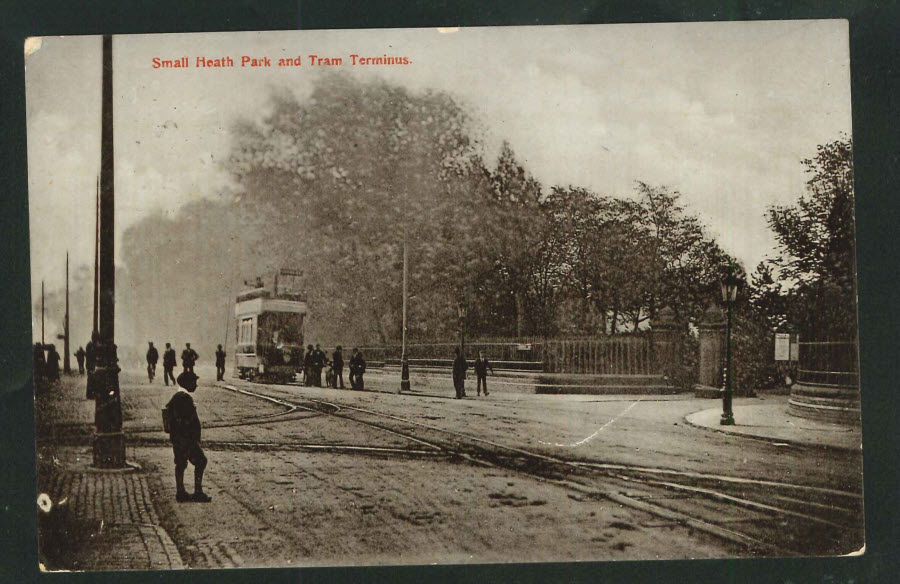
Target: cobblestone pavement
pixel 98 520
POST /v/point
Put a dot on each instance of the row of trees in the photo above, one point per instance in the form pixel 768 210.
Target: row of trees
pixel 336 183
pixel 359 168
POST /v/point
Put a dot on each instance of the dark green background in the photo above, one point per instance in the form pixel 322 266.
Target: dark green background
pixel 874 50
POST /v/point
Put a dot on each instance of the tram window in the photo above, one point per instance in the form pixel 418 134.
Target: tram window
pixel 246 331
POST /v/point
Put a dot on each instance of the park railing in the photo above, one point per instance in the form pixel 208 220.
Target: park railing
pixel 616 355
pixel 830 363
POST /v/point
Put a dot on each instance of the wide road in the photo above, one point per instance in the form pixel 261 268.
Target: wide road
pixel 317 476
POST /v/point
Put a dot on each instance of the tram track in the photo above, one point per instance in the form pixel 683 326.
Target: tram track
pixel 785 515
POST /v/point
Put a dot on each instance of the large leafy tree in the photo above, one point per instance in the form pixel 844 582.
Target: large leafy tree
pixel 356 170
pixel 816 259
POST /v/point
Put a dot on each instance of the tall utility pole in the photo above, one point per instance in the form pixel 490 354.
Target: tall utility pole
pixel 109 440
pixel 95 327
pixel 404 358
pixel 66 363
pixel 42 313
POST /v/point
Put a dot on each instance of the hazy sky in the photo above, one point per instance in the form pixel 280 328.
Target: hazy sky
pixel 722 112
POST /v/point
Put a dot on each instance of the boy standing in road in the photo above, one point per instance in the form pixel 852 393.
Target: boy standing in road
pixel 184 432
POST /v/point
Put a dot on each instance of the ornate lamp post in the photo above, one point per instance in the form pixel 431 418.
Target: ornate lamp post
pixel 729 294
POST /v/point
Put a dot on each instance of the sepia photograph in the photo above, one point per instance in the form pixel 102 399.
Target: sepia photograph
pixel 444 296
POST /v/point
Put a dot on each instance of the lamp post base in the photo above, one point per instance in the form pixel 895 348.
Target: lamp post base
pixel 404 374
pixel 727 419
pixel 109 450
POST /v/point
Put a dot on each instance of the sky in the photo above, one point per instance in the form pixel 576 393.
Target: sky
pixel 722 112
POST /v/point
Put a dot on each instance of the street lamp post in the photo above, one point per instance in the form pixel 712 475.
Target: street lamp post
pixel 729 294
pixel 404 357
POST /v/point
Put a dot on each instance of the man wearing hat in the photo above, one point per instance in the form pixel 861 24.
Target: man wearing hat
pixel 169 362
pixel 184 431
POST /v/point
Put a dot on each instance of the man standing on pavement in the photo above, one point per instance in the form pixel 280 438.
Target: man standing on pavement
pixel 169 361
pixel 319 360
pixel 184 432
pixel 481 368
pixel 337 362
pixel 79 356
pixel 90 353
pixel 308 365
pixel 52 363
pixel 220 364
pixel 357 369
pixel 152 360
pixel 459 374
pixel 189 358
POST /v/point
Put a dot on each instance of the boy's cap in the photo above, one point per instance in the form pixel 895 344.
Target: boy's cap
pixel 187 380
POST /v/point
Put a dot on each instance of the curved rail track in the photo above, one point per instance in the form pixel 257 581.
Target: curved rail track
pixel 760 517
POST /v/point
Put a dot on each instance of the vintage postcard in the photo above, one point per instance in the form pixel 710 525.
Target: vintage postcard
pixel 475 295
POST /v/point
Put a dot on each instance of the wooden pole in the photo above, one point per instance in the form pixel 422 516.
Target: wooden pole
pixel 109 440
pixel 404 357
pixel 67 366
pixel 95 325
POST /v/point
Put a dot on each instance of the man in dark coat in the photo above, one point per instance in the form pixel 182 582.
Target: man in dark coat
pixel 189 358
pixel 169 362
pixel 52 364
pixel 184 432
pixel 319 363
pixel 79 356
pixel 357 369
pixel 90 353
pixel 459 374
pixel 220 364
pixel 481 368
pixel 309 365
pixel 337 362
pixel 152 360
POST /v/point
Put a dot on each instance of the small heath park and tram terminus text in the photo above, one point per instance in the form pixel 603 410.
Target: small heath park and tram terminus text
pixel 262 61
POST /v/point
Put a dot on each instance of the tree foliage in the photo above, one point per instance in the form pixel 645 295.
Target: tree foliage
pixel 816 271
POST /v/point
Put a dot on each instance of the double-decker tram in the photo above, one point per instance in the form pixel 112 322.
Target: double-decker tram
pixel 269 328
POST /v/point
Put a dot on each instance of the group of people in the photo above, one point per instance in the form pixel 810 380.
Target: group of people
pixel 189 358
pixel 315 361
pixel 46 367
pixel 460 366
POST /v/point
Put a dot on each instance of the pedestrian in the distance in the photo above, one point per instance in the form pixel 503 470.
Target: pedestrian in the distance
pixel 169 362
pixel 183 425
pixel 319 362
pixel 189 358
pixel 459 374
pixel 337 363
pixel 309 365
pixel 90 353
pixel 52 364
pixel 481 368
pixel 152 360
pixel 79 356
pixel 220 364
pixel 357 370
